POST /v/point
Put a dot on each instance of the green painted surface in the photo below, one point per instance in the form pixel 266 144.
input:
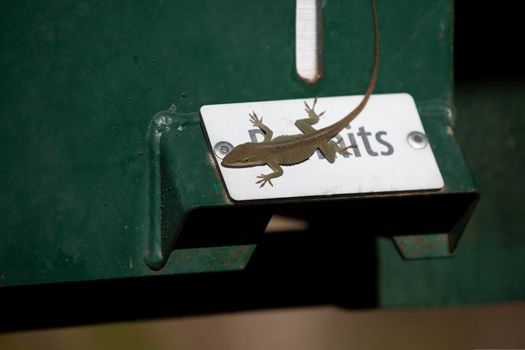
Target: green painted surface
pixel 489 264
pixel 423 246
pixel 81 82
pixel 178 181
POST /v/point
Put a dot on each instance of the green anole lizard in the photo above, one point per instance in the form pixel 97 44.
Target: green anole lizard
pixel 294 149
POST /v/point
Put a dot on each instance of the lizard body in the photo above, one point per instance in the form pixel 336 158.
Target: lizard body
pixel 294 149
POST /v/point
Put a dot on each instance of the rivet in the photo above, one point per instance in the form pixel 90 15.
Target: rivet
pixel 222 148
pixel 417 140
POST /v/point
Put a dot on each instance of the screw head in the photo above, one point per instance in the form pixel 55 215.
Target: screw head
pixel 222 148
pixel 417 140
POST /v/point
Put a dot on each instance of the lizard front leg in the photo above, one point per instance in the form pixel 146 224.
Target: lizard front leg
pixel 268 133
pixel 277 171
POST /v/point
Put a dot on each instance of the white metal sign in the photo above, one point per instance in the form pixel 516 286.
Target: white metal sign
pixel 391 151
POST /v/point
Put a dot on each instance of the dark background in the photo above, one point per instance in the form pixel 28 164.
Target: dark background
pixel 489 41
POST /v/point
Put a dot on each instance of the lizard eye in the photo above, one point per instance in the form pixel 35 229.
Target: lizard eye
pixel 245 160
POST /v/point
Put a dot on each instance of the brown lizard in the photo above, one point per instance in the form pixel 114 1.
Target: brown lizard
pixel 294 149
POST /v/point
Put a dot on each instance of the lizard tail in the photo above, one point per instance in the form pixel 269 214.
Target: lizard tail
pixel 343 122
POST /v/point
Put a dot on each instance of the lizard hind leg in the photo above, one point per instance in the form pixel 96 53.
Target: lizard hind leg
pixel 330 149
pixel 305 125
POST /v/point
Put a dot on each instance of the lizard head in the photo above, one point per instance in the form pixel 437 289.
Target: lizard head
pixel 244 155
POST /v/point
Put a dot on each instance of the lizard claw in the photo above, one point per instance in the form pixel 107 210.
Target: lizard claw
pixel 311 110
pixel 264 179
pixel 256 121
pixel 344 151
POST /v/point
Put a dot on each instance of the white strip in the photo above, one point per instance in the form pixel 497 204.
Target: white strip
pixel 307 40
